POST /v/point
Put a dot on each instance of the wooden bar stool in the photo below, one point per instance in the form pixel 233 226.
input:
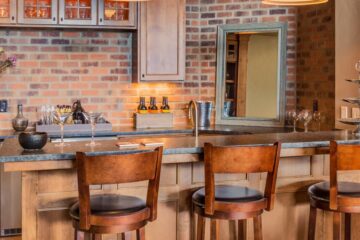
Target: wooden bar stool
pixel 111 213
pixel 235 202
pixel 334 196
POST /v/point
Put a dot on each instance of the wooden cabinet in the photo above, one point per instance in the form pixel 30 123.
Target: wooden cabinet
pixel 116 13
pixel 37 11
pixel 161 41
pixel 7 11
pixel 78 12
pixel 72 13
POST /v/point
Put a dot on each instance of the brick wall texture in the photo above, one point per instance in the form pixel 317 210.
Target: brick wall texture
pixel 316 60
pixel 60 66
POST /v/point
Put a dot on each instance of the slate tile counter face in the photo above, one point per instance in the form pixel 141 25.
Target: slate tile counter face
pixel 11 151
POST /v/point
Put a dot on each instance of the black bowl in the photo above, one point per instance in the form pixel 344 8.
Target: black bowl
pixel 33 140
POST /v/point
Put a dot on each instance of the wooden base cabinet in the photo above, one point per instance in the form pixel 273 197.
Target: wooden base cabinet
pixel 160 52
pixel 50 187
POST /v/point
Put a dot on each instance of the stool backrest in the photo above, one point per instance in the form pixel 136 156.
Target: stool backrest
pixel 342 158
pixel 114 169
pixel 239 159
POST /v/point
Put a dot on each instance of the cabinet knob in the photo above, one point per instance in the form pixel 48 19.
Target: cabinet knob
pixel 143 75
pixel 61 19
pixel 100 19
pixel 12 18
pixel 54 19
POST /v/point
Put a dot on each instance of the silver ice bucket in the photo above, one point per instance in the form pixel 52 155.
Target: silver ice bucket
pixel 204 113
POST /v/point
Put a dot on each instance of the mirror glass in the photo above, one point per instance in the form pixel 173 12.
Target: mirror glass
pixel 250 75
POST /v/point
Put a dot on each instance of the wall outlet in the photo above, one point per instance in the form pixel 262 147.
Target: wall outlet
pixel 3 106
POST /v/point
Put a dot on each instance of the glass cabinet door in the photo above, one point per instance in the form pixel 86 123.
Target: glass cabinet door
pixel 117 13
pixel 7 11
pixel 37 11
pixel 78 12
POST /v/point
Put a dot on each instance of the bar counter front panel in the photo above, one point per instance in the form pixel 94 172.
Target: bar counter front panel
pixel 49 185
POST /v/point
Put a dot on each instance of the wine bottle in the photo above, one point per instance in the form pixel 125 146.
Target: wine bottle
pixel 78 113
pixel 153 108
pixel 165 108
pixel 142 107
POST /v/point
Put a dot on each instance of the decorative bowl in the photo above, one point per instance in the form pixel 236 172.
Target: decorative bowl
pixel 33 140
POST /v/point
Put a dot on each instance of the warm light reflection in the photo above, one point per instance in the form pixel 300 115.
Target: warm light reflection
pixel 130 0
pixel 293 2
pixel 109 13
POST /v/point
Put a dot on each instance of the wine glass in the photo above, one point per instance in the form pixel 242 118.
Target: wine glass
pixel 93 118
pixel 306 116
pixel 61 118
pixel 357 67
pixel 317 119
pixel 293 117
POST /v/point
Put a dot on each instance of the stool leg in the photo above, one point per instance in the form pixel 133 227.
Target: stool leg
pixel 140 234
pixel 96 236
pixel 214 229
pixel 126 236
pixel 336 225
pixel 312 223
pixel 200 233
pixel 87 236
pixel 347 226
pixel 257 228
pixel 76 237
pixel 242 229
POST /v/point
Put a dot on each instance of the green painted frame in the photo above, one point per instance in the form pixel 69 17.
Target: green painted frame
pixel 279 27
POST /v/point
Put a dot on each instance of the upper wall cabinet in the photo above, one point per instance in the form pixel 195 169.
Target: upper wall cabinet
pixel 7 11
pixel 77 13
pixel 74 12
pixel 37 11
pixel 116 13
pixel 161 41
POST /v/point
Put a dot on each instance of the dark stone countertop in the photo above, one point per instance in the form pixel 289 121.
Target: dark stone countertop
pixel 12 152
pixel 129 131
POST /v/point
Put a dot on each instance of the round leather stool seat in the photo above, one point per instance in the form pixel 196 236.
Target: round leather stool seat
pixel 110 204
pixel 226 193
pixel 321 191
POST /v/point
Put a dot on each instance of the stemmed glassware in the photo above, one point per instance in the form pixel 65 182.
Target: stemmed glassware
pixel 61 118
pixel 306 116
pixel 93 118
pixel 317 119
pixel 293 117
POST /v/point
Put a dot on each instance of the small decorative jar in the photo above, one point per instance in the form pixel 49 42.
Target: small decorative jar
pixel 20 123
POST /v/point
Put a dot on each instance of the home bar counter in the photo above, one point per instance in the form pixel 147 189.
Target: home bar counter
pixel 49 184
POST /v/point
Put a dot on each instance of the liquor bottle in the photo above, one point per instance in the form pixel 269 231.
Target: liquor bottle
pixel 153 108
pixel 165 108
pixel 142 107
pixel 78 113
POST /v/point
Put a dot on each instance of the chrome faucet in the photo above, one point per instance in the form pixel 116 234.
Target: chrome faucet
pixel 192 104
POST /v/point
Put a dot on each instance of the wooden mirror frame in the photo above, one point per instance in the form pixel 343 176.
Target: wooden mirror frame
pixel 223 30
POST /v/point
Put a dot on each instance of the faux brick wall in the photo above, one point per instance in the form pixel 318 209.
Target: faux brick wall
pixel 60 66
pixel 316 60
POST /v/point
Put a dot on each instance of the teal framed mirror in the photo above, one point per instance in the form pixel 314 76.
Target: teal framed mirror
pixel 251 74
